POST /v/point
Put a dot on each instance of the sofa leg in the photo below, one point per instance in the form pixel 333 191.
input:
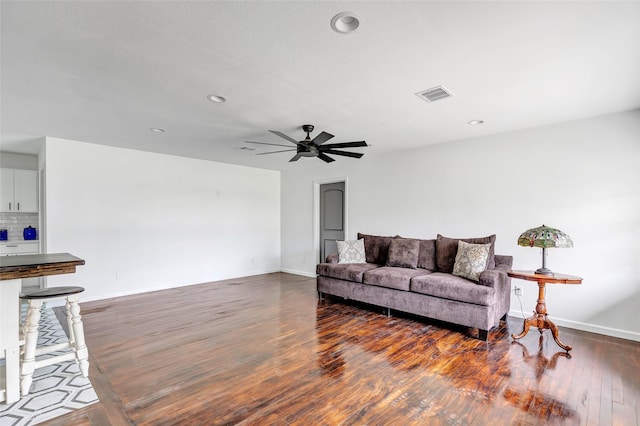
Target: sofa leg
pixel 387 311
pixel 320 295
pixel 483 335
pixel 504 317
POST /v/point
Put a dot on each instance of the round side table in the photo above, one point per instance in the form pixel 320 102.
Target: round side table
pixel 540 318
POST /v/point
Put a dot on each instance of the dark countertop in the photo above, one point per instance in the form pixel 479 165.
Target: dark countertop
pixel 37 265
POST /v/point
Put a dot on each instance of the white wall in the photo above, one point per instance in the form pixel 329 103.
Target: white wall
pixel 163 221
pixel 582 177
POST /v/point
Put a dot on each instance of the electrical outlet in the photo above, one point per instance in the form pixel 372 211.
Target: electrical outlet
pixel 517 290
pixel 119 275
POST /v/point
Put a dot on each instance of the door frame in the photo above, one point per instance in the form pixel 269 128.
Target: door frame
pixel 316 211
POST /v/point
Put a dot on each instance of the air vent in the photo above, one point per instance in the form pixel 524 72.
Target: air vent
pixel 434 94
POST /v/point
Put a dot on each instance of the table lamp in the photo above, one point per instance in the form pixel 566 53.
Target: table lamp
pixel 544 237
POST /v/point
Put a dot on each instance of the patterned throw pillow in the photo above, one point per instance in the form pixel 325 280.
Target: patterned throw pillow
pixel 446 249
pixel 351 252
pixel 471 260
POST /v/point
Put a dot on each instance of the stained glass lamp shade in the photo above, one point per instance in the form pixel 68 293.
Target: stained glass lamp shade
pixel 544 237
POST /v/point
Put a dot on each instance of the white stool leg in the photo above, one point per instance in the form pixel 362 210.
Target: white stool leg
pixel 72 338
pixel 82 353
pixel 30 343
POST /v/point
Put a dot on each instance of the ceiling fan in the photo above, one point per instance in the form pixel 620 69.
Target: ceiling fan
pixel 314 147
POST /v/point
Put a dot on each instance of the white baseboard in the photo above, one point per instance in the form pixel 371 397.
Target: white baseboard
pixel 147 290
pixel 253 273
pixel 151 289
pixel 591 328
pixel 303 273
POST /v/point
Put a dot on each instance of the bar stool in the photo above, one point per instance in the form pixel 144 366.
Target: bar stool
pixel 76 334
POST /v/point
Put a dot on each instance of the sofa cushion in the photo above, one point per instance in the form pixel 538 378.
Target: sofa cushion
pixel 427 256
pixel 403 253
pixel 351 251
pixel 451 287
pixel 447 248
pixel 392 277
pixel 345 271
pixel 471 260
pixel 376 248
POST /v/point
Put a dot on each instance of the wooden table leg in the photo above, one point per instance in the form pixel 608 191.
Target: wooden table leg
pixel 537 320
pixel 525 327
pixel 541 320
pixel 554 331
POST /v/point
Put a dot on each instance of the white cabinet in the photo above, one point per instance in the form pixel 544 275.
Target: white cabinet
pixel 6 189
pixel 25 186
pixel 18 191
pixel 8 248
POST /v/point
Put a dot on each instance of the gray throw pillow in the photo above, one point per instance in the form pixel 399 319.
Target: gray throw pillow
pixel 446 249
pixel 403 253
pixel 376 248
pixel 427 257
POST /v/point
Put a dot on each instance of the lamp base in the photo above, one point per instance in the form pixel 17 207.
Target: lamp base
pixel 544 271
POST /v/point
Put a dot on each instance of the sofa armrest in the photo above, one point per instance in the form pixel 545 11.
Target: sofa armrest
pixel 332 258
pixel 493 277
pixel 500 281
pixel 503 262
pixel 503 267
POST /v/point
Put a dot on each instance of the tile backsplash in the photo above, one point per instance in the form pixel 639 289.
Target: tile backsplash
pixel 15 223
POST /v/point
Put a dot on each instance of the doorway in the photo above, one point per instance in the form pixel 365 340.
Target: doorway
pixel 332 217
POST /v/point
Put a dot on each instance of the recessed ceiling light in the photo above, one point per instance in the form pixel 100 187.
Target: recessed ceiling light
pixel 217 98
pixel 476 122
pixel 345 22
pixel 157 130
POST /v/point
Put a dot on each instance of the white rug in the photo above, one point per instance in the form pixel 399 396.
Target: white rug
pixel 56 390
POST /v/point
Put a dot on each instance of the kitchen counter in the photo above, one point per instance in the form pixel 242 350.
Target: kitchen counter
pixel 38 265
pixel 13 269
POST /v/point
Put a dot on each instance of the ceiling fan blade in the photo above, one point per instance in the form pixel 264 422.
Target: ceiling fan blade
pixel 321 138
pixel 265 143
pixel 346 145
pixel 345 153
pixel 282 135
pixel 275 152
pixel 325 158
pixel 295 158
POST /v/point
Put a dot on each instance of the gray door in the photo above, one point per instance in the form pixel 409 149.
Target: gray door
pixel 331 218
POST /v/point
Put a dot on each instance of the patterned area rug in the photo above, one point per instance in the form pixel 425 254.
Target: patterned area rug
pixel 56 390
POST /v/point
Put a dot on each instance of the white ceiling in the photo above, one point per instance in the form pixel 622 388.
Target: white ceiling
pixel 106 72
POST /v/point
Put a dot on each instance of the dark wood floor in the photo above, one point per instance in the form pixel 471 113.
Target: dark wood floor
pixel 263 350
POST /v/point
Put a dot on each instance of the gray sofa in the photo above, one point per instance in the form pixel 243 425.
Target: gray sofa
pixel 424 286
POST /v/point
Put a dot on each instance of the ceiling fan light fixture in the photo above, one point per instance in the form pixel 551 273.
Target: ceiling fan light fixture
pixel 217 98
pixel 475 122
pixel 345 22
pixel 315 147
pixel 157 130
